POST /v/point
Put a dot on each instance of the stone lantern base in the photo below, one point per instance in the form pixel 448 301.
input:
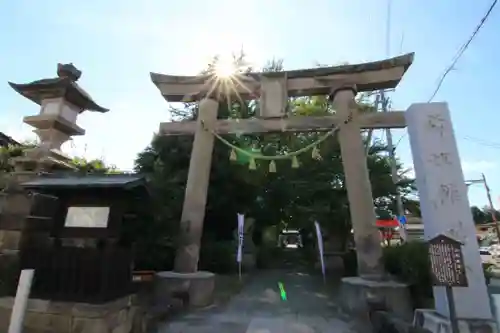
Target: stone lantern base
pixel 195 289
pixel 70 317
pixel 356 293
pixel 43 160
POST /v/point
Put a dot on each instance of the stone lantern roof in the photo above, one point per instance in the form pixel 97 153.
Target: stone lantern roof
pixel 61 101
pixel 64 85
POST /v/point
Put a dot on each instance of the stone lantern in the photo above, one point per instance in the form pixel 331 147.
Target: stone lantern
pixel 61 100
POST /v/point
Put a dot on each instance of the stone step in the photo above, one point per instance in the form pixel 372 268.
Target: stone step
pixel 267 324
pixel 300 325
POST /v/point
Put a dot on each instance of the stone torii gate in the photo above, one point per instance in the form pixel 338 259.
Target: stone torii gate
pixel 342 83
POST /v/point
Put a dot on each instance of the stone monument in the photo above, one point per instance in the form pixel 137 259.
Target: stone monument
pixel 445 210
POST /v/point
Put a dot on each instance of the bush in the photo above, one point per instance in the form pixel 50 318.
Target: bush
pixel 410 263
pixel 488 271
pixel 218 257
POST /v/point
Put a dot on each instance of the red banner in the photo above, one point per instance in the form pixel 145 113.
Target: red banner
pixel 387 223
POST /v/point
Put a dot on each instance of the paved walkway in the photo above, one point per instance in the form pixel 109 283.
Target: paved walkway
pixel 260 309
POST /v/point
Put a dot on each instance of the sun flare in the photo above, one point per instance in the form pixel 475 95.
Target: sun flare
pixel 225 68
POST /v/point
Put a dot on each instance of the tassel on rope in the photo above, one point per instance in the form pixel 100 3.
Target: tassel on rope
pixel 315 153
pixel 251 164
pixel 272 166
pixel 233 157
pixel 295 162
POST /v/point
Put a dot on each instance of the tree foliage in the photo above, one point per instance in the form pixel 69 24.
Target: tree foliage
pixel 81 164
pixel 9 152
pixel 93 166
pixel 484 215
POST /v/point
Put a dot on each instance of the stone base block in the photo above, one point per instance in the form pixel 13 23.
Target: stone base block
pixel 433 322
pixel 395 296
pixel 45 316
pixel 198 287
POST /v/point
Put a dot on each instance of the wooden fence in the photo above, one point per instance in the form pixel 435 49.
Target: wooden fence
pixel 75 274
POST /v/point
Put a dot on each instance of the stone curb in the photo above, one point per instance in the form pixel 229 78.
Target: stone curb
pixel 385 322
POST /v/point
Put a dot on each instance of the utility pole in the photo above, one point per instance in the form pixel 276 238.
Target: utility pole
pixel 490 202
pixel 394 171
pixel 390 146
pixel 492 208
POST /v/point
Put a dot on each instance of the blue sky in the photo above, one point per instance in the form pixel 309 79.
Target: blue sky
pixel 117 43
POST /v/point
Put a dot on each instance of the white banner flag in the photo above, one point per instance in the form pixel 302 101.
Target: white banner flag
pixel 241 224
pixel 402 232
pixel 320 247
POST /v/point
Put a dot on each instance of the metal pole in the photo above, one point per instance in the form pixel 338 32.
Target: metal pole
pixel 492 208
pixel 370 131
pixel 392 157
pixel 451 310
pixel 239 271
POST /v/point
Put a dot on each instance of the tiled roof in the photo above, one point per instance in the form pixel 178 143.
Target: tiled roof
pixel 86 181
pixel 7 140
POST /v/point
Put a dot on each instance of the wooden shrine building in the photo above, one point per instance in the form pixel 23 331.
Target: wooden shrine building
pixel 84 247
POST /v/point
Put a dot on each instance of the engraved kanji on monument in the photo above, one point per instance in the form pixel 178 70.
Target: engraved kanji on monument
pixel 447 262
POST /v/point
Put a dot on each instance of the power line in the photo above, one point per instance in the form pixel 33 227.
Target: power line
pixel 399 140
pixel 481 142
pixel 478 141
pixel 388 29
pixel 454 61
pixel 462 49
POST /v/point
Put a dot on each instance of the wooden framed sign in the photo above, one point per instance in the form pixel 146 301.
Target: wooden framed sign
pixel 447 262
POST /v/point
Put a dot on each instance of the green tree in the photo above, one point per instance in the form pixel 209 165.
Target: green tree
pixel 93 166
pixel 478 215
pixel 487 215
pixel 11 151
